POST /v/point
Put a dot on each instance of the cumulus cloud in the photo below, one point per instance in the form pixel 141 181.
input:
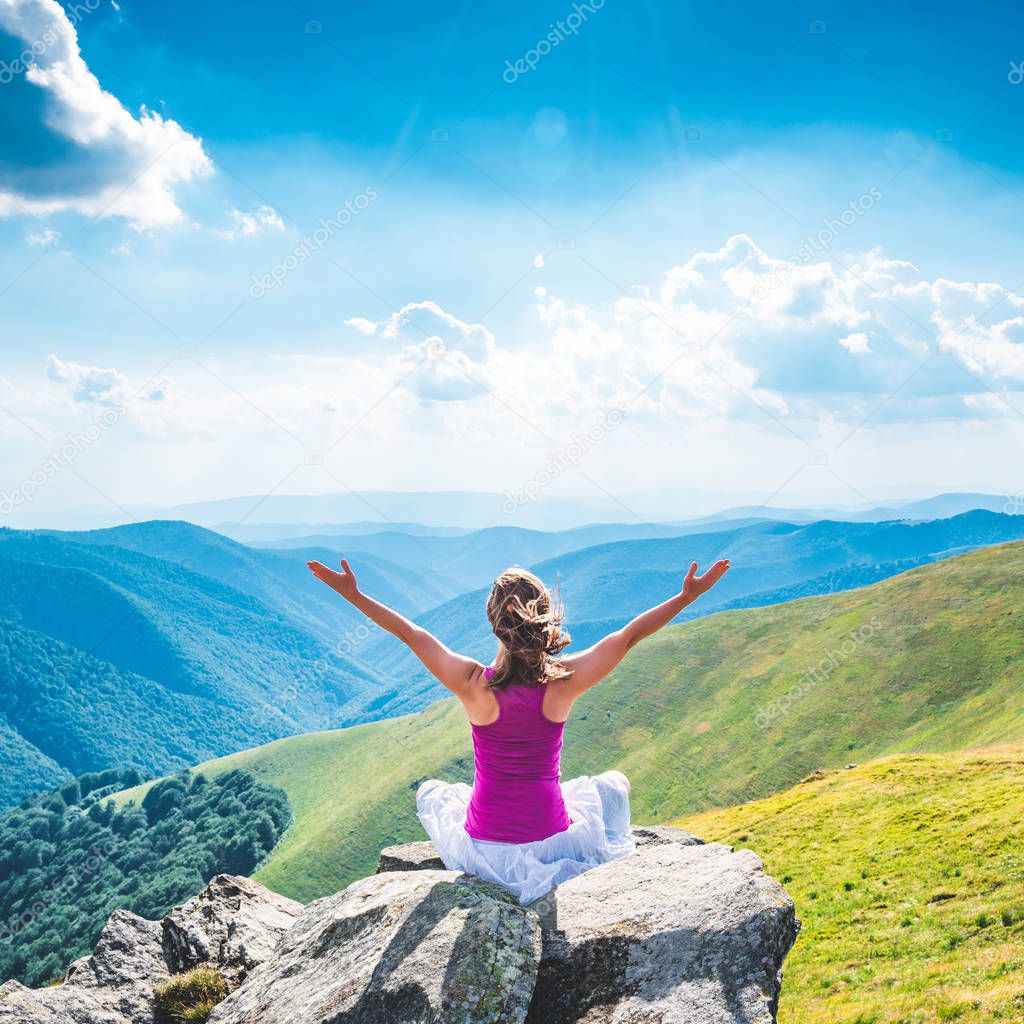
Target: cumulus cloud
pixel 441 359
pixel 417 322
pixel 248 225
pixel 736 333
pixel 86 153
pixel 856 344
pixel 102 386
pixel 44 237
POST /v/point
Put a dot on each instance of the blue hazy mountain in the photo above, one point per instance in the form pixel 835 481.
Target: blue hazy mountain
pixel 479 509
pixel 198 645
pixel 278 579
pixel 66 712
pixel 473 559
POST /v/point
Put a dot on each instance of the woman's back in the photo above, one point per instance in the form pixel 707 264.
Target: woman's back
pixel 516 793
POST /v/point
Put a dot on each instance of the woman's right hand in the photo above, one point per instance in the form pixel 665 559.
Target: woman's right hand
pixel 343 582
pixel 694 585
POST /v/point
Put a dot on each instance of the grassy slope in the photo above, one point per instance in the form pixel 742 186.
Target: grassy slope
pixel 942 669
pixel 908 874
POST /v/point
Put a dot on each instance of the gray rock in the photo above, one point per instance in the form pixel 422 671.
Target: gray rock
pixel 12 987
pixel 674 934
pixel 113 986
pixel 680 932
pixel 658 835
pixel 410 857
pixel 233 924
pixel 398 948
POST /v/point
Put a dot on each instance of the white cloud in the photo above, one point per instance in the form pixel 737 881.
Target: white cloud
pixel 362 325
pixel 820 343
pixel 43 237
pixel 856 344
pixel 694 355
pixel 119 165
pixel 248 225
pixel 418 322
pixel 102 386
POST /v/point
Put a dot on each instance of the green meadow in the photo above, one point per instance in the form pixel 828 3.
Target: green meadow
pixel 908 876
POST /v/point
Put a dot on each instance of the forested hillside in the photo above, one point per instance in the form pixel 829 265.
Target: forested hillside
pixel 69 858
pixel 114 657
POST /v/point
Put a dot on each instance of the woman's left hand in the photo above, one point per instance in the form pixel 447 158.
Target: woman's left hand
pixel 694 585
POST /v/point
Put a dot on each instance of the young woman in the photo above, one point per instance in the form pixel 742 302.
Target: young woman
pixel 520 825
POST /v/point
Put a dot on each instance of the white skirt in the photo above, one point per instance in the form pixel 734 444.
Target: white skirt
pixel 598 807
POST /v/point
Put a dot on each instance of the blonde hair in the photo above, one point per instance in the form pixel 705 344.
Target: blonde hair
pixel 529 625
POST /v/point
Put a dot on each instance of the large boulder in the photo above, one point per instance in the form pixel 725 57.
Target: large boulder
pixel 112 986
pixel 233 925
pixel 680 932
pixel 398 948
pixel 674 934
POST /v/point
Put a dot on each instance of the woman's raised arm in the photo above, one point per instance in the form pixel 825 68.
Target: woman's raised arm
pixel 589 667
pixel 452 670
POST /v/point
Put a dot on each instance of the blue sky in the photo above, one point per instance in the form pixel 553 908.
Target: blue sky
pixel 783 239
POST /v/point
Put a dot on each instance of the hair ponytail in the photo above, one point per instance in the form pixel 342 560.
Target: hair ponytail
pixel 529 625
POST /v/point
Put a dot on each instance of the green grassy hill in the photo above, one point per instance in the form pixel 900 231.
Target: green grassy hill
pixel 908 875
pixel 714 712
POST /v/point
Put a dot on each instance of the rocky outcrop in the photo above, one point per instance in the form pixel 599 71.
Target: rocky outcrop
pixel 398 947
pixel 658 835
pixel 233 925
pixel 681 932
pixel 678 934
pixel 113 986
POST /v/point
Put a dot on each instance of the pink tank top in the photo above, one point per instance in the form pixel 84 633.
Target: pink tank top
pixel 517 796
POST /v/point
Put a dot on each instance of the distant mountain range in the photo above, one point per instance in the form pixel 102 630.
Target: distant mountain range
pixel 474 558
pixel 279 516
pixel 941 506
